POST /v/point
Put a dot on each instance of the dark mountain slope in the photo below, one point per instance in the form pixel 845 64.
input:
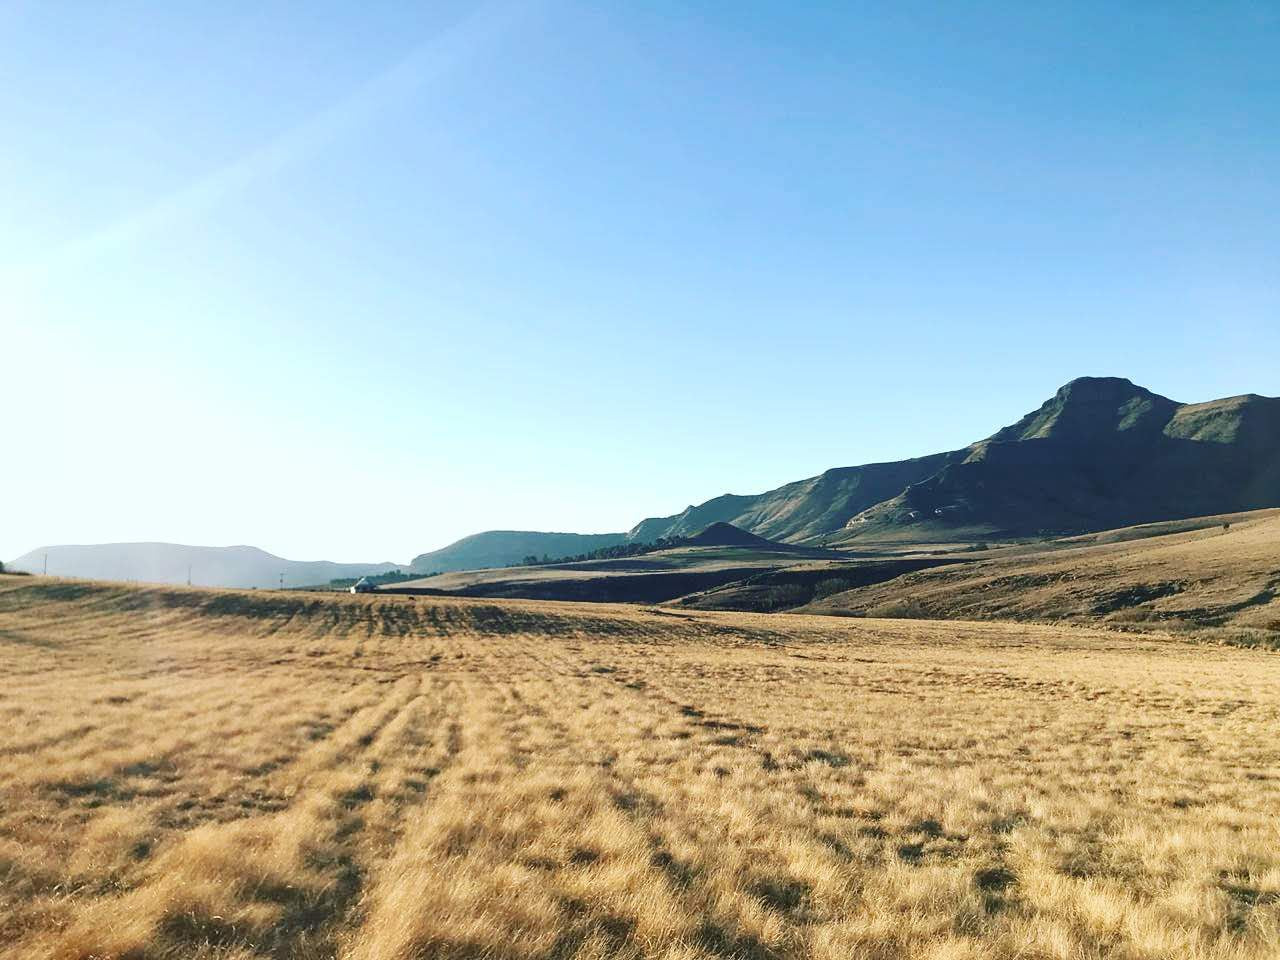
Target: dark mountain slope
pixel 802 511
pixel 727 535
pixel 1101 453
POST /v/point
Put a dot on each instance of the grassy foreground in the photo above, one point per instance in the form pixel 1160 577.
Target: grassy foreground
pixel 200 774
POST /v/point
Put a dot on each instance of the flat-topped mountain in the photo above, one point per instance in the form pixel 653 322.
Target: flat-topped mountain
pixel 1102 452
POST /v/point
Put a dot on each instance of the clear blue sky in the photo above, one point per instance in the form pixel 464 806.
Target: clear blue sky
pixel 352 280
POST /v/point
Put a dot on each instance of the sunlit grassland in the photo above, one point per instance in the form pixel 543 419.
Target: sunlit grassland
pixel 200 774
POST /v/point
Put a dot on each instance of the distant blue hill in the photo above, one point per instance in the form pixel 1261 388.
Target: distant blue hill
pixel 239 566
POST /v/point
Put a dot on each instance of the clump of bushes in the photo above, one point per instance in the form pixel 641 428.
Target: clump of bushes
pixel 898 610
pixel 830 586
pixel 782 595
pixel 619 551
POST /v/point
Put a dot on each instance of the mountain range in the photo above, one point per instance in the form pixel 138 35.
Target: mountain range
pixel 239 566
pixel 1100 453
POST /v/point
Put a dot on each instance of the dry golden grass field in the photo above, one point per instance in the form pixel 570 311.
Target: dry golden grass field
pixel 219 774
pixel 1222 585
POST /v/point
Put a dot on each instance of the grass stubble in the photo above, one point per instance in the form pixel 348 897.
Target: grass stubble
pixel 212 774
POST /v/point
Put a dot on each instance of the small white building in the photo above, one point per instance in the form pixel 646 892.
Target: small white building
pixel 363 586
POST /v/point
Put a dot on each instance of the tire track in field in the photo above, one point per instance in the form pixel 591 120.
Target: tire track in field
pixel 515 839
pixel 588 760
pixel 716 925
pixel 322 830
pixel 695 897
pixel 405 881
pixel 393 778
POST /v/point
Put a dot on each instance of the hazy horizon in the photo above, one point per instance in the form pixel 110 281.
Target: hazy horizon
pixel 352 285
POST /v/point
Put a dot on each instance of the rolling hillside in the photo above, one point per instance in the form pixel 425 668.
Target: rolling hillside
pixel 791 587
pixel 171 562
pixel 1224 582
pixel 499 548
pixel 719 555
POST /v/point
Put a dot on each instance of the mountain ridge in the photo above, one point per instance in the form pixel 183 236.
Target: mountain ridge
pixel 152 561
pixel 1101 453
pixel 500 548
